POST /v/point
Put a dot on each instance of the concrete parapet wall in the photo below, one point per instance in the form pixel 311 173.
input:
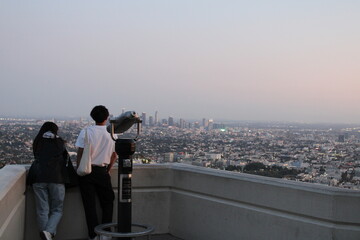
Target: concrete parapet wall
pixel 151 205
pixel 72 224
pixel 213 204
pixel 152 190
pixel 195 203
pixel 12 202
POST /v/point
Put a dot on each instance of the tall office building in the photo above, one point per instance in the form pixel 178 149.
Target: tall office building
pixel 204 123
pixel 182 123
pixel 156 118
pixel 171 121
pixel 143 118
pixel 211 124
pixel 151 121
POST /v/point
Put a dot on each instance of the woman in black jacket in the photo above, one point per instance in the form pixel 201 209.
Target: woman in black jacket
pixel 49 189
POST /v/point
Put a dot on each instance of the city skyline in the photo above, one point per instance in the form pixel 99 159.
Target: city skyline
pixel 282 60
pixel 299 151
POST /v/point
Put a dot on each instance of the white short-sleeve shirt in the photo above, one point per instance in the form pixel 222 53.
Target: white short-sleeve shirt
pixel 102 145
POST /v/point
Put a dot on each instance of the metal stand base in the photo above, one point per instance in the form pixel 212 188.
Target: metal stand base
pixel 99 230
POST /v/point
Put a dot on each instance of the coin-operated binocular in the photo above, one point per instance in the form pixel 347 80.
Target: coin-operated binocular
pixel 123 122
pixel 125 148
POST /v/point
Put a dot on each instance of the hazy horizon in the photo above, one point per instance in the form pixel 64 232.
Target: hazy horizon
pixel 288 61
pixel 228 122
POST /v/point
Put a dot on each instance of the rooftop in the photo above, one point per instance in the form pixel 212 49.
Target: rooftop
pixel 194 203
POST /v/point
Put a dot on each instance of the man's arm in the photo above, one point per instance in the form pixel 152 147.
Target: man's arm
pixel 112 161
pixel 79 155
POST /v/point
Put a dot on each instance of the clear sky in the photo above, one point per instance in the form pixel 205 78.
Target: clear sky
pixel 257 60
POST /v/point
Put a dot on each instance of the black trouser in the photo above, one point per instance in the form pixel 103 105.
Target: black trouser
pixel 98 183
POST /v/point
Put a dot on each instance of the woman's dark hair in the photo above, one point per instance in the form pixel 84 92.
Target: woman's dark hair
pixel 99 113
pixel 46 127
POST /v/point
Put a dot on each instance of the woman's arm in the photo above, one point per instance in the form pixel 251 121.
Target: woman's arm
pixel 79 155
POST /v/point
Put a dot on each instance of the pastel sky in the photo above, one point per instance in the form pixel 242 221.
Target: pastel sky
pixel 281 60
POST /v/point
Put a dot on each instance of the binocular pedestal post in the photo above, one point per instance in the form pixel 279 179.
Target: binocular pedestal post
pixel 125 148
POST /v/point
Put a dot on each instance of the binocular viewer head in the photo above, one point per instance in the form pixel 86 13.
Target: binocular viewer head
pixel 123 122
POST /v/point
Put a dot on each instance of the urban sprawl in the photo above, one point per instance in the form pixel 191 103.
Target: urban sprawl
pixel 314 153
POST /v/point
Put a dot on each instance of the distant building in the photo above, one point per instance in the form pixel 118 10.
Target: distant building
pixel 213 156
pixel 169 157
pixel 211 124
pixel 156 118
pixel 143 118
pixel 182 123
pixel 219 126
pixel 171 121
pixel 204 123
pixel 151 121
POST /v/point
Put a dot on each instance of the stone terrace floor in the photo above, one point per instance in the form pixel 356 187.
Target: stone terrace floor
pixel 154 237
pixel 159 237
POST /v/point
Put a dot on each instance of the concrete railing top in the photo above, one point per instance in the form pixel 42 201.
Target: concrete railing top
pixel 310 187
pixel 9 176
pixel 12 202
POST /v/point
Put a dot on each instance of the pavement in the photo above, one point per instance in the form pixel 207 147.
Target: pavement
pixel 159 237
pixel 154 237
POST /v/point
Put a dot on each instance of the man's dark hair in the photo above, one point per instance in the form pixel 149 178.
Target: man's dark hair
pixel 99 113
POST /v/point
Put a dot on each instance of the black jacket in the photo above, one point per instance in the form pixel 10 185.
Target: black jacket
pixel 51 157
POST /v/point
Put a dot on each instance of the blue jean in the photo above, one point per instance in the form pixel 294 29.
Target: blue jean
pixel 49 201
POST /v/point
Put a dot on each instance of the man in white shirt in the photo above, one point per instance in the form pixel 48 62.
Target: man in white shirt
pixel 98 182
